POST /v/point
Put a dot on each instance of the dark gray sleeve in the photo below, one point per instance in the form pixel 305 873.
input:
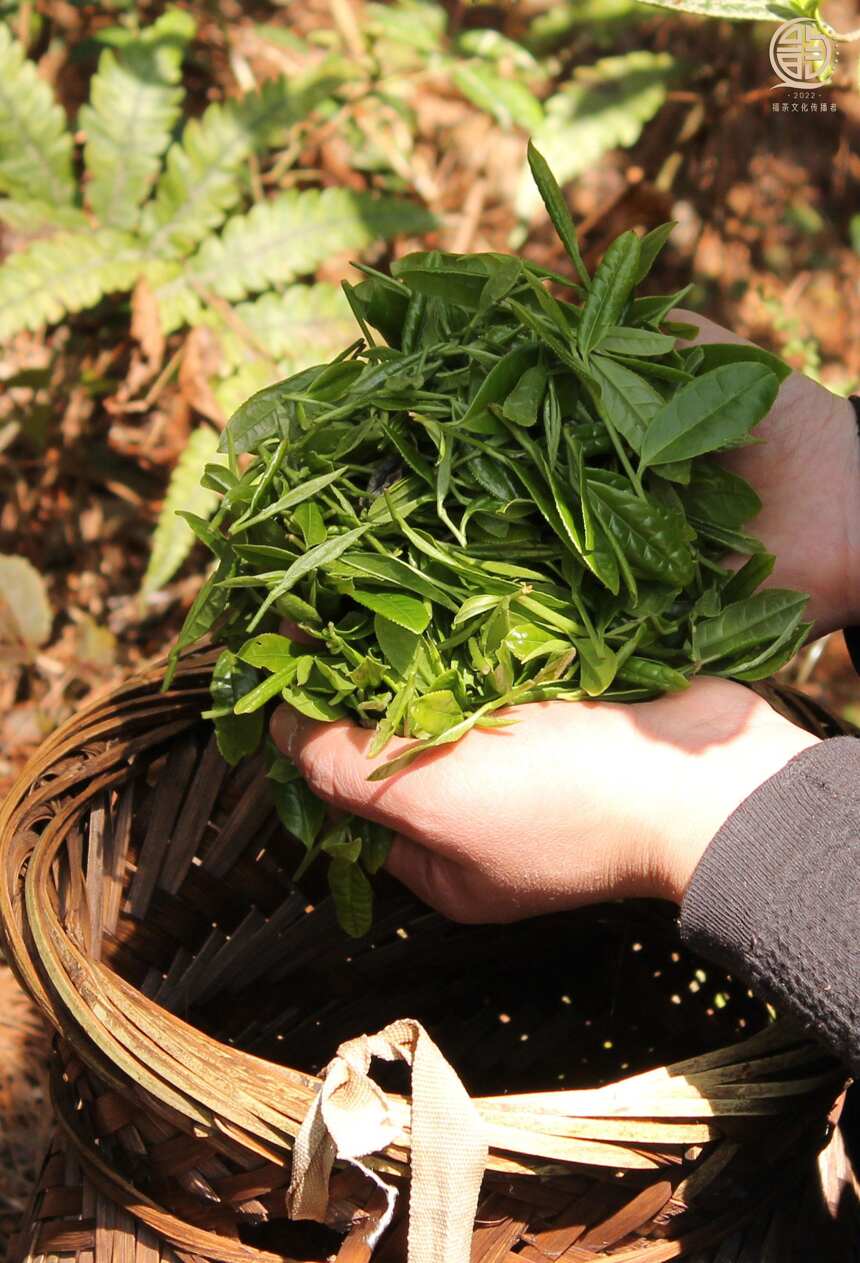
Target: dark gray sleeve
pixel 776 896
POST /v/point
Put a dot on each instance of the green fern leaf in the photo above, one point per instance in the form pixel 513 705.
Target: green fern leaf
pixel 507 100
pixel 232 391
pixel 604 107
pixel 602 21
pixel 178 303
pixel 414 24
pixel 134 104
pixel 173 537
pixel 35 144
pixel 292 234
pixel 307 324
pixel 29 217
pixel 73 270
pixel 203 179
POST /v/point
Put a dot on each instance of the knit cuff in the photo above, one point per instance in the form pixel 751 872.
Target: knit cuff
pixel 776 896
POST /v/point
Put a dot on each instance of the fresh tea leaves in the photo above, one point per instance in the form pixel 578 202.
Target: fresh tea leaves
pixel 496 496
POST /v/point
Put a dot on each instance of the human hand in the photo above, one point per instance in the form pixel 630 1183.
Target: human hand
pixel 572 804
pixel 807 474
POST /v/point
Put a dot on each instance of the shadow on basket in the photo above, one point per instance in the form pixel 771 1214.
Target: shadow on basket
pixel 576 1087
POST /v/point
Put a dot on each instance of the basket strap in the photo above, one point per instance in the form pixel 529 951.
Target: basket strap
pixel 352 1117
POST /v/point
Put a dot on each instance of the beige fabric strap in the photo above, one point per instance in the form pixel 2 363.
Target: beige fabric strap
pixel 352 1117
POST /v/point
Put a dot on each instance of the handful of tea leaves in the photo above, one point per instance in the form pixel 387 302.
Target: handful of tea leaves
pixel 511 498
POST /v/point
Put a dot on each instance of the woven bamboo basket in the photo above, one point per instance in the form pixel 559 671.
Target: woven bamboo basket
pixel 211 1081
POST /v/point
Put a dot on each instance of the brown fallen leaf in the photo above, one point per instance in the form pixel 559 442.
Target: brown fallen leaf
pixel 201 359
pixel 146 326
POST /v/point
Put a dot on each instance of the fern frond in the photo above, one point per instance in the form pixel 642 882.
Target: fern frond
pixel 178 303
pixel 232 391
pixel 203 178
pixel 48 279
pixel 295 232
pixel 509 101
pixel 134 104
pixel 173 537
pixel 28 216
pixel 304 325
pixel 35 144
pixel 308 324
pixel 604 107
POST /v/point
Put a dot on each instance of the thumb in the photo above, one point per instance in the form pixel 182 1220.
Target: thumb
pixel 333 759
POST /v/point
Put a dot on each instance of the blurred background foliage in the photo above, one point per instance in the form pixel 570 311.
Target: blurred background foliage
pixel 183 188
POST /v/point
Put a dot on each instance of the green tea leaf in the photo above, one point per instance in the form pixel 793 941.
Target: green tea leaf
pixel 630 401
pixel 718 496
pixel 342 846
pixel 757 620
pixel 523 403
pixel 609 292
pixel 312 706
pixel 396 607
pixel 309 519
pixel 597 666
pixel 657 677
pixel 715 354
pixel 435 713
pixel 712 412
pixel 394 571
pixel 767 664
pixel 527 641
pixel 499 382
pixel 650 246
pixel 311 560
pixel 271 651
pixel 457 279
pixel 557 209
pixel 398 644
pixel 601 106
pixel 651 537
pixel 619 340
pixel 265 691
pixel 300 811
pixel 751 576
pixel 237 735
pixel 375 847
pixel 728 539
pixel 290 500
pixel 353 897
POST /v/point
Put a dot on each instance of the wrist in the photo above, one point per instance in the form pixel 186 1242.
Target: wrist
pixel 843 424
pixel 726 775
pixel 828 556
pixel 851 414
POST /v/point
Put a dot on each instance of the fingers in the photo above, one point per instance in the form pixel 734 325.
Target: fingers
pixel 333 758
pixel 437 881
pixel 709 330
